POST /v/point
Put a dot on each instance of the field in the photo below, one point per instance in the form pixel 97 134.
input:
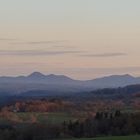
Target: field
pixel 112 138
pixel 47 118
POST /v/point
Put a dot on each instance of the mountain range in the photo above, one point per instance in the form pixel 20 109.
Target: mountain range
pixel 61 83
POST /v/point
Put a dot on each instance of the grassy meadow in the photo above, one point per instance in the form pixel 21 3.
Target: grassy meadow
pixel 112 138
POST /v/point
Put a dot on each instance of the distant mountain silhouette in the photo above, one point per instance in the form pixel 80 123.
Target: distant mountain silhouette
pixel 62 83
pixel 36 75
pixel 114 81
pixel 52 78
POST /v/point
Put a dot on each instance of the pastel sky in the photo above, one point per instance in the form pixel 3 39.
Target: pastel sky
pixel 82 39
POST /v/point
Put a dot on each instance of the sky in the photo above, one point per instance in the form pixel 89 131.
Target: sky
pixel 83 39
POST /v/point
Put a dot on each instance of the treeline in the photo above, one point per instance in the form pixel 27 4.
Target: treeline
pixel 132 89
pixel 58 105
pixel 42 105
pixel 105 124
pixel 30 132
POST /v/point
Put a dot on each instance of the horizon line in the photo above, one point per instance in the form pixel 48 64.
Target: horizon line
pixel 27 75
